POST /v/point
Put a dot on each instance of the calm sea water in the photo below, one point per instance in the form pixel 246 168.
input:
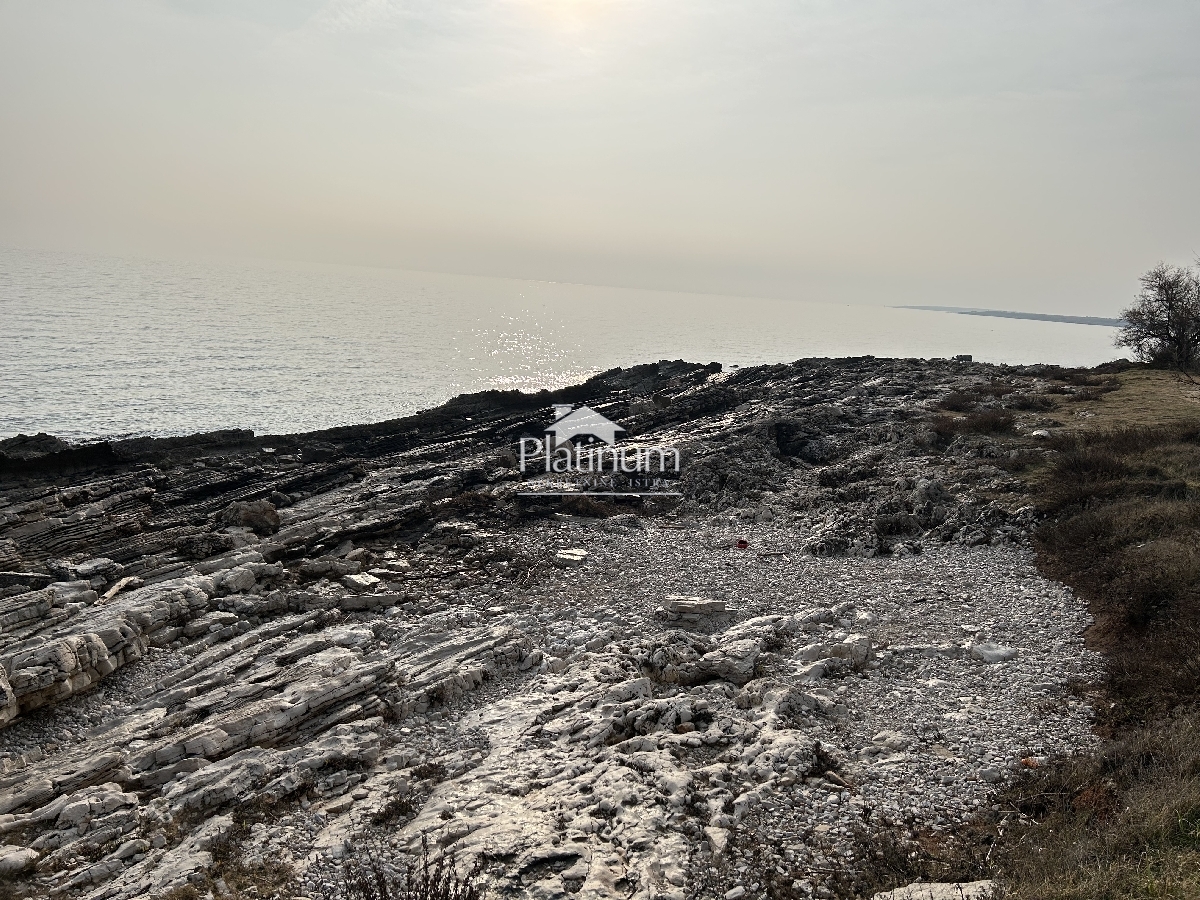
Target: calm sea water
pixel 101 347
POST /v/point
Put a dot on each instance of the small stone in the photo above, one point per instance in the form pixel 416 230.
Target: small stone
pixel 814 671
pixel 695 606
pixel 131 848
pixel 363 582
pixel 100 566
pixel 993 653
pixel 856 648
pixel 570 558
pixel 892 740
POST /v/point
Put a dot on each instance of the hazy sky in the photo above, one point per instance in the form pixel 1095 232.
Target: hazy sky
pixel 1030 155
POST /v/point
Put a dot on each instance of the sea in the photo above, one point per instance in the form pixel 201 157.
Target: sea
pixel 95 347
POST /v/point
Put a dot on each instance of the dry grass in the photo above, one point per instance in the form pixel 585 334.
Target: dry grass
pixel 1123 498
pixel 1134 397
pixel 1122 824
pixel 1125 534
pixel 1146 397
pixel 987 421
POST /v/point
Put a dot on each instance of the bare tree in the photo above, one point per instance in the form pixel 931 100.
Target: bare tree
pixel 1163 325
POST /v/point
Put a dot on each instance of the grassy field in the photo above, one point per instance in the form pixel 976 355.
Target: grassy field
pixel 1144 398
pixel 1122 500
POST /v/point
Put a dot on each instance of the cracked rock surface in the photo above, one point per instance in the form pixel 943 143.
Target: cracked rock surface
pixel 292 651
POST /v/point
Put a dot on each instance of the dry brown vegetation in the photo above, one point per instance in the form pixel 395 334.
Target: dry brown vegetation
pixel 1123 529
pixel 1143 398
pixel 986 421
pixel 384 877
pixel 1119 825
pixel 1125 533
pixel 233 875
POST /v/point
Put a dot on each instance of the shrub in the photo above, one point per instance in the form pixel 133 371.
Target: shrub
pixel 1031 403
pixel 1124 532
pixel 1090 464
pixel 589 507
pixel 1123 823
pixel 1081 379
pixel 469 502
pixel 944 427
pixel 989 421
pixel 957 401
pixel 997 388
pixel 889 525
pixel 397 809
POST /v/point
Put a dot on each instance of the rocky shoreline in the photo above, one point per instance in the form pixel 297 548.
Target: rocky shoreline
pixel 230 655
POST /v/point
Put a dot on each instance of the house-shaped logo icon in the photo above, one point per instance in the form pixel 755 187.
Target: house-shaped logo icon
pixel 580 426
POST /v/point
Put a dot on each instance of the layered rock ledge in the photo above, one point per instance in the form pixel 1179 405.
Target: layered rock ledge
pixel 231 653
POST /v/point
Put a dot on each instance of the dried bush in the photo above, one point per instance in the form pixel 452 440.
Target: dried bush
pixel 944 428
pixel 1124 532
pixel 889 525
pixel 468 503
pixel 989 421
pixel 997 388
pixel 1030 403
pixel 396 810
pixel 424 878
pixel 1090 464
pixel 870 859
pixel 231 871
pixel 1123 823
pixel 957 401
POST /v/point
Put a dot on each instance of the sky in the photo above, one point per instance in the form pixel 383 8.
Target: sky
pixel 1019 155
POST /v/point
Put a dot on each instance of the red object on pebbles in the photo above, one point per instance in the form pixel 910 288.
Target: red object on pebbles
pixel 743 544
